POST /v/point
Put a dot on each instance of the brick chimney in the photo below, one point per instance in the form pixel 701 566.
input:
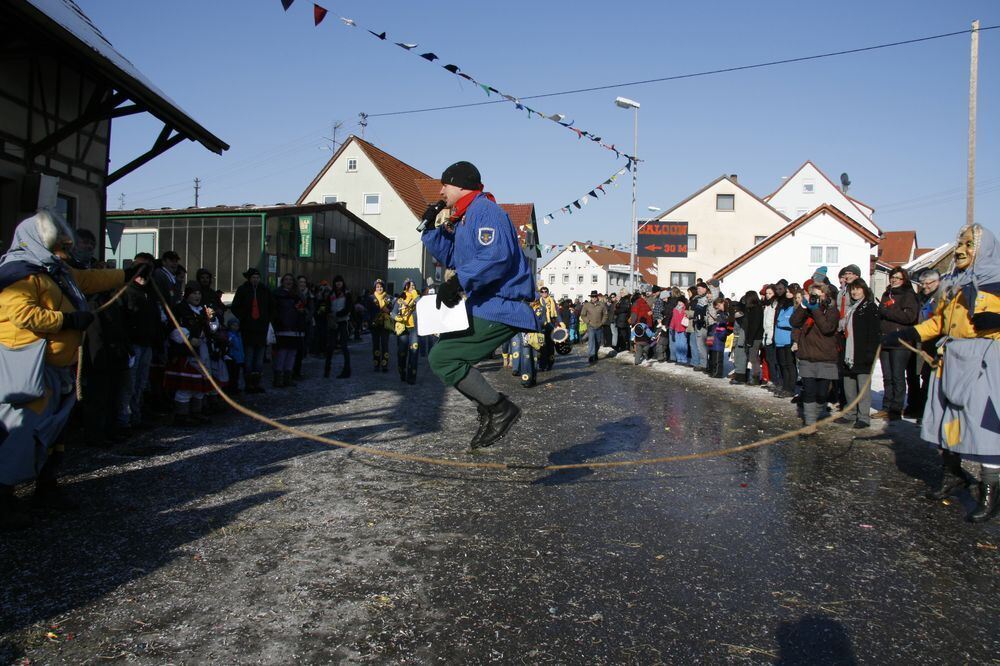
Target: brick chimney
pixel 734 177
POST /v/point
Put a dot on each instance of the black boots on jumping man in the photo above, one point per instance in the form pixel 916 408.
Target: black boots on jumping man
pixel 953 477
pixel 494 422
pixel 989 496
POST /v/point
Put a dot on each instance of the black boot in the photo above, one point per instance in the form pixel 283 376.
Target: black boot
pixel 345 373
pixel 326 370
pixel 484 422
pixel 503 415
pixel 953 477
pixel 989 496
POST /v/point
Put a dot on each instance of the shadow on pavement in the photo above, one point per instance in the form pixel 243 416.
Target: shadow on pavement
pixel 626 434
pixel 133 522
pixel 814 640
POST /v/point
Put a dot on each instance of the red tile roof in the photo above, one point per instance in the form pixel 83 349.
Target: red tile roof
pixel 401 176
pixel 896 247
pixel 849 222
pixel 605 256
pixel 921 251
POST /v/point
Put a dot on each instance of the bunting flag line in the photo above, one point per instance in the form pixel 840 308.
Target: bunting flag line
pixel 582 201
pixel 319 13
pixel 580 247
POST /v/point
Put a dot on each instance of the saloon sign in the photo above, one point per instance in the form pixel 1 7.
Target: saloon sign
pixel 663 239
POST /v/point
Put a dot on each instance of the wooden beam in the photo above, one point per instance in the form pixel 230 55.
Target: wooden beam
pixel 96 111
pixel 161 146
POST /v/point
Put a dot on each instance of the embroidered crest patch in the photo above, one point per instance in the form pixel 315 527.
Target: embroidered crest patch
pixel 487 235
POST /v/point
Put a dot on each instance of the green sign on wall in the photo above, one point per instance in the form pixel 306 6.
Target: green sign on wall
pixel 305 235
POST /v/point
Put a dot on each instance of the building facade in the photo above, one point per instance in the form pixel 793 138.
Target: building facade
pixel 724 220
pixel 315 240
pixel 808 188
pixel 391 196
pixel 581 268
pixel 825 236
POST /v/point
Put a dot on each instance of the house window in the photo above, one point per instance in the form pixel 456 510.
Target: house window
pixel 692 242
pixel 552 278
pixel 816 254
pixel 725 202
pixel 329 198
pixel 373 204
pixel 66 207
pixel 593 278
pixel 808 187
pixel 565 278
pixel 757 240
pixel 352 164
pixel 832 255
pixel 392 249
pixel 579 279
pixel 681 279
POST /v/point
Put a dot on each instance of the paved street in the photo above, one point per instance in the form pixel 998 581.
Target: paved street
pixel 248 546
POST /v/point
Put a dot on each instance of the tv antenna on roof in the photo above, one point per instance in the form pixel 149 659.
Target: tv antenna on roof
pixel 845 182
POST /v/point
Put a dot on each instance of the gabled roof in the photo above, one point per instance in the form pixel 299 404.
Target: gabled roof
pixel 710 186
pixel 66 23
pixel 606 256
pixel 833 211
pixel 896 246
pixel 854 202
pixel 522 216
pixel 401 176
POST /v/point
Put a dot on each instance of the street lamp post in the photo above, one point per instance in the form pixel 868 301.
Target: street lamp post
pixel 626 103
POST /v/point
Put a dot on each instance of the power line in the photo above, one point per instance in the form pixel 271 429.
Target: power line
pixel 678 77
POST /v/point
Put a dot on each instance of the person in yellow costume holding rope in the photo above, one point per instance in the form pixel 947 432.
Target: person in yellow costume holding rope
pixel 43 314
pixel 962 414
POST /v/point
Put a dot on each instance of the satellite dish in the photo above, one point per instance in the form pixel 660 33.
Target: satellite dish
pixel 845 182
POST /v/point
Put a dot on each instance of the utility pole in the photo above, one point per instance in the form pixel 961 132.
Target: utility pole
pixel 970 201
pixel 197 186
pixel 121 201
pixel 363 122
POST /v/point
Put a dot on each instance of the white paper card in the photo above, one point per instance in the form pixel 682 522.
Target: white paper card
pixel 432 321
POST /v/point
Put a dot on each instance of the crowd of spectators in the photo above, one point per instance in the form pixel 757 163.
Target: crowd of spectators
pixel 813 343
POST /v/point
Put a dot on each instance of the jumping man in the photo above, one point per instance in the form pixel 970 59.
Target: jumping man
pixel 479 242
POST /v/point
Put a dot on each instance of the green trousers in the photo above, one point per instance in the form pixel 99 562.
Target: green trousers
pixel 455 353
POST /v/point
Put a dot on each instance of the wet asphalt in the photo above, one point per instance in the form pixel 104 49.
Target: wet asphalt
pixel 244 545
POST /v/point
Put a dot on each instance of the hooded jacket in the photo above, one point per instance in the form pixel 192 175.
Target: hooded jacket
pixel 38 287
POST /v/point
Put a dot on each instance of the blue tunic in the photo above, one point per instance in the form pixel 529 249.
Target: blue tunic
pixel 493 271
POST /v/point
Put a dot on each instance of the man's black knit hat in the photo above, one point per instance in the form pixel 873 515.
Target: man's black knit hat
pixel 464 175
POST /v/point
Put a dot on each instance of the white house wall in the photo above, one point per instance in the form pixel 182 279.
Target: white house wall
pixel 395 219
pixel 722 235
pixel 793 201
pixel 789 258
pixel 574 275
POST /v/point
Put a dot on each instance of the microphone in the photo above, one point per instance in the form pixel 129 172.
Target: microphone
pixel 431 214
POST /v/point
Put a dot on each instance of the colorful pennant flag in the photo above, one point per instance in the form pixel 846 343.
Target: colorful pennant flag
pixel 286 4
pixel 318 14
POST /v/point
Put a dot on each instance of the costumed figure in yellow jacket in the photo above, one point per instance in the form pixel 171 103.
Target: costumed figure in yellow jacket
pixel 962 414
pixel 43 313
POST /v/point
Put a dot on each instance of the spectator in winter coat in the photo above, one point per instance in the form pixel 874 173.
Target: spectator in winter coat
pixel 784 307
pixel 899 309
pixel 929 296
pixel 750 318
pixel 289 329
pixel 144 331
pixel 253 305
pixel 595 315
pixel 719 331
pixel 678 330
pixel 623 310
pixel 702 306
pixel 860 326
pixel 816 319
pixel 641 314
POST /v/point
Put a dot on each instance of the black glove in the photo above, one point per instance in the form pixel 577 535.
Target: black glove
pixel 77 321
pixel 448 293
pixel 429 218
pixel 908 335
pixel 137 269
pixel 986 321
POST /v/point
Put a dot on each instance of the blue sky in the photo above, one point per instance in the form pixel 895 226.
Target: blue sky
pixel 271 85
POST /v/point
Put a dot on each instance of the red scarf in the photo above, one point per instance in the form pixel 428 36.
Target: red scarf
pixel 463 204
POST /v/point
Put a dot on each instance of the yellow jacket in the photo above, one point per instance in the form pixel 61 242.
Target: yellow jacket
pixel 32 308
pixel 952 318
pixel 550 309
pixel 410 308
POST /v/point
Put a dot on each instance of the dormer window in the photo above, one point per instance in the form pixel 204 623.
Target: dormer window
pixel 352 164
